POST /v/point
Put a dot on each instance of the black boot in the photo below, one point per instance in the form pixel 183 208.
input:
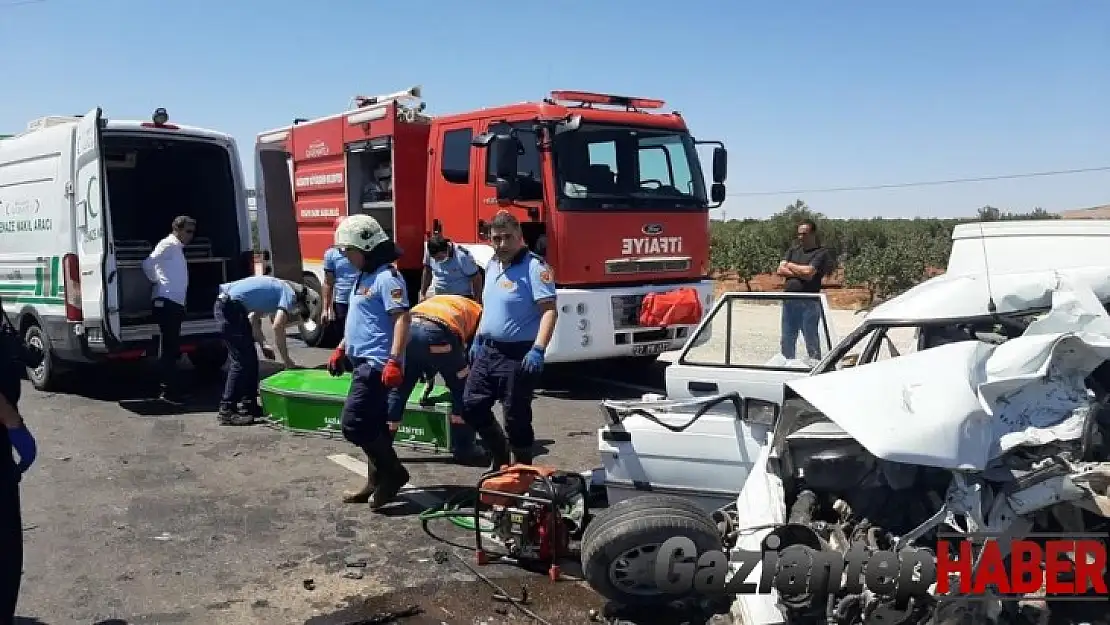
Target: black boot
pixel 229 414
pixel 522 455
pixel 493 439
pixel 391 476
pixel 363 494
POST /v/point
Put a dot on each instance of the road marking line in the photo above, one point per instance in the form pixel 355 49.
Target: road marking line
pixel 628 385
pixel 409 491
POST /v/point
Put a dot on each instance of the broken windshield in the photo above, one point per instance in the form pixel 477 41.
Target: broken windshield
pixel 874 342
pixel 620 167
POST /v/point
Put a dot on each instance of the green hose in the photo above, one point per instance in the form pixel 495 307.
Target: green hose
pixel 459 510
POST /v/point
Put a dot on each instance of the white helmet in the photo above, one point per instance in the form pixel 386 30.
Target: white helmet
pixel 361 232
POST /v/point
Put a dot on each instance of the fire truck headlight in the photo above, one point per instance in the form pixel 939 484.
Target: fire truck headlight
pixel 585 340
pixel 583 324
pixel 580 308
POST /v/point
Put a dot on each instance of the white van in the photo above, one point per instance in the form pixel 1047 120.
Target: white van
pixel 83 200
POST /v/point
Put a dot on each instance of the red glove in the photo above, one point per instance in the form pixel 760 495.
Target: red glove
pixel 392 375
pixel 337 362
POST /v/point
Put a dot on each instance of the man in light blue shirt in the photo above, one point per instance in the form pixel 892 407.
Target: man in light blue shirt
pixel 239 310
pixel 450 270
pixel 339 279
pixel 518 320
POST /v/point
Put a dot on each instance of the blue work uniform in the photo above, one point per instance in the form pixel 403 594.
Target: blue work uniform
pixel 442 328
pixel 510 324
pixel 257 294
pixel 453 275
pixel 345 274
pixel 376 296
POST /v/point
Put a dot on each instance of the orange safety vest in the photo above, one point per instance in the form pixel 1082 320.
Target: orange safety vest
pixel 459 313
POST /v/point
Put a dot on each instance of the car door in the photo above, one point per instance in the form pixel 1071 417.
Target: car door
pixel 738 349
pixel 738 346
pixel 99 295
pixel 274 211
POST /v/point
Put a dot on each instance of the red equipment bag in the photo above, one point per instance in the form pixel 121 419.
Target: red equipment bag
pixel 677 307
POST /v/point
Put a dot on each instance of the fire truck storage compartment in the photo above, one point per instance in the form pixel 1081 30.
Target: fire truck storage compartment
pixel 151 180
pixel 370 180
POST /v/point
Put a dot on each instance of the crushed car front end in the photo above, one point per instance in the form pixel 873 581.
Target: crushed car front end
pixel 971 438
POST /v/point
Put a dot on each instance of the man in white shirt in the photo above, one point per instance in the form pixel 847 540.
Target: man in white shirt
pixel 167 269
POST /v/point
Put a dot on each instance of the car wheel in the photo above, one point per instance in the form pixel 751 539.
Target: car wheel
pixel 45 376
pixel 621 545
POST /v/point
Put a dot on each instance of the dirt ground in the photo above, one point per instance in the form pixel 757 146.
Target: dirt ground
pixel 840 297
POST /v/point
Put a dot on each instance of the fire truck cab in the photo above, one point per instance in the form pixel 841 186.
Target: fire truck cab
pixel 611 193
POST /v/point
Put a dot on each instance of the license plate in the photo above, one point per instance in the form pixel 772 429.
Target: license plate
pixel 650 349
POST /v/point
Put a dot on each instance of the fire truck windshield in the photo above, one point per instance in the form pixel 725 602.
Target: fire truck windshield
pixel 601 167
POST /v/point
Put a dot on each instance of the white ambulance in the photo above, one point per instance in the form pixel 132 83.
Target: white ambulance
pixel 83 200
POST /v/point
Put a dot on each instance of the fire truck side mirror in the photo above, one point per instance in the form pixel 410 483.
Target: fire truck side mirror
pixel 505 156
pixel 717 193
pixel 720 165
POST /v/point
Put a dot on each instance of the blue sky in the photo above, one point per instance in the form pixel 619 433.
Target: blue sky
pixel 807 94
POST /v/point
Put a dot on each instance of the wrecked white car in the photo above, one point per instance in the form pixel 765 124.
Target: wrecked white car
pixel 990 418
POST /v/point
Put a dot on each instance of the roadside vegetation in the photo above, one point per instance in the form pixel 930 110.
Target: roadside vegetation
pixel 883 257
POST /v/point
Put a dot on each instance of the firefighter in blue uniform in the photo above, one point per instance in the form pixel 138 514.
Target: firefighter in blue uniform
pixel 14 436
pixel 507 356
pixel 373 347
pixel 339 279
pixel 450 270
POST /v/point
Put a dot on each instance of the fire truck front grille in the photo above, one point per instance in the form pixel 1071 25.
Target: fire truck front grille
pixel 626 311
pixel 625 266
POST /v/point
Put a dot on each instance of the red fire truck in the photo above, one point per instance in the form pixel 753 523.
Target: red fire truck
pixel 609 190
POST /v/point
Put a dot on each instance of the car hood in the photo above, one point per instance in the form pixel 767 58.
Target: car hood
pixel 958 406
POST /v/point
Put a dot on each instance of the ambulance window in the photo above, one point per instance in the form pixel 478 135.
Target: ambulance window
pixel 528 170
pixel 455 156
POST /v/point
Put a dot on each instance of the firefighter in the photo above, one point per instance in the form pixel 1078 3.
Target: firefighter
pixel 239 309
pixel 372 349
pixel 450 270
pixel 339 278
pixel 507 356
pixel 14 436
pixel 442 328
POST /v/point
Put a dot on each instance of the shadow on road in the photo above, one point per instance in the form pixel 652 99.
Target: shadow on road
pixel 135 388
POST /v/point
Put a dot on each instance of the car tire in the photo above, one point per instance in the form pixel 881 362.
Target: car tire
pixel 46 376
pixel 636 528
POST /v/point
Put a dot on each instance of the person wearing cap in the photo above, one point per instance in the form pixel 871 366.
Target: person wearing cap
pixel 450 270
pixel 518 321
pixel 442 328
pixel 239 309
pixel 373 349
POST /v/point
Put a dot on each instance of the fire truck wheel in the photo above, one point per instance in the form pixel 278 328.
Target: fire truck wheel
pixel 621 545
pixel 313 332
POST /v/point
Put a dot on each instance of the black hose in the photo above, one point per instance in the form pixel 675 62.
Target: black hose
pixel 732 397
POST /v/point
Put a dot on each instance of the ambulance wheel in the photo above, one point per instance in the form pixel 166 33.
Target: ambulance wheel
pixel 313 332
pixel 46 376
pixel 621 545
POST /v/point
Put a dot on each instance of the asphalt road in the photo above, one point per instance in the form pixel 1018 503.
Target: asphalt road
pixel 135 516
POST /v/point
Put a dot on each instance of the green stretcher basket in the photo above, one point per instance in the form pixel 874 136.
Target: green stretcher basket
pixel 311 400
